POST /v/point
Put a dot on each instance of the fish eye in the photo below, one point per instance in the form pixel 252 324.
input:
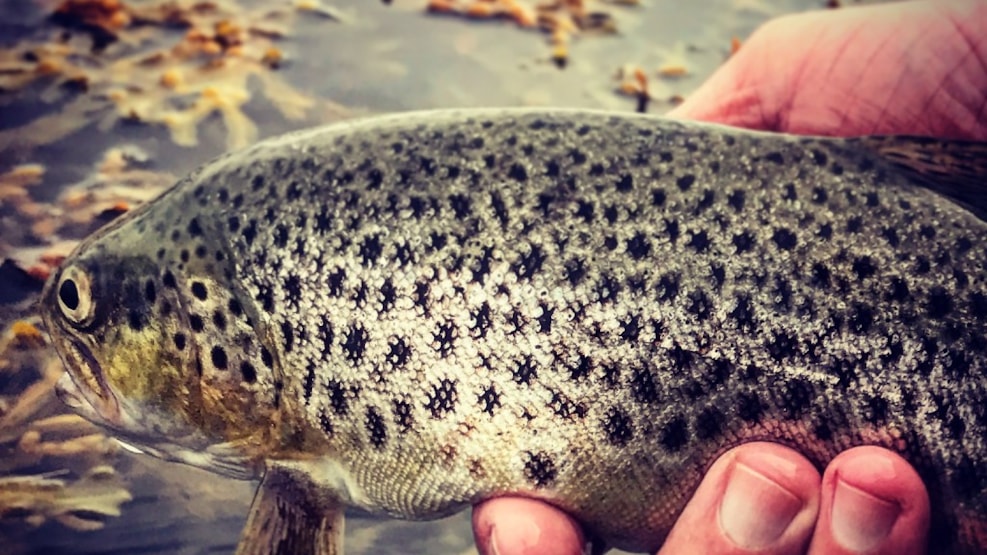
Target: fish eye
pixel 75 296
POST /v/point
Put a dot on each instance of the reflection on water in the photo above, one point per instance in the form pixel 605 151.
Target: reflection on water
pixel 87 134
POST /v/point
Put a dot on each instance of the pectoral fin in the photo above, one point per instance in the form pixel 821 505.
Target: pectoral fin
pixel 291 517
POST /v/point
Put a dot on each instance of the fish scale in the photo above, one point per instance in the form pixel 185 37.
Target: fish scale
pixel 426 310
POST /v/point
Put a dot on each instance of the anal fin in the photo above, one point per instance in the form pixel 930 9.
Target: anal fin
pixel 289 516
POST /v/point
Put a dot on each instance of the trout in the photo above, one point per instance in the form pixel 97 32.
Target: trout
pixel 413 313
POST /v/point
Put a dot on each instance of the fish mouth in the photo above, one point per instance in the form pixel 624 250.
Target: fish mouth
pixel 98 403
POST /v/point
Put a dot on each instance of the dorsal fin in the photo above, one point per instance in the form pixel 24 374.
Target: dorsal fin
pixel 957 169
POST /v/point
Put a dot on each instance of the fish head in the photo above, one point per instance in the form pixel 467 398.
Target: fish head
pixel 157 348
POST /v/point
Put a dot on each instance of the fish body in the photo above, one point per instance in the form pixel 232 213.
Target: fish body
pixel 422 311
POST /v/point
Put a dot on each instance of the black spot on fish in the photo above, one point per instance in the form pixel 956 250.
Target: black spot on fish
pixel 249 233
pixel 248 372
pixel 266 297
pixel 675 434
pixel 489 400
pixel 194 229
pixel 743 314
pixel 281 236
pixel 638 246
pixel 289 336
pixel 179 340
pixel 863 267
pixel 940 303
pixel 783 346
pixel 750 408
pixel 370 249
pixel 196 323
pixel 376 427
pixel 820 276
pixel 218 357
pixel 618 426
pixel 545 319
pixel 736 200
pixel 518 173
pixel 700 305
pixel 743 242
pixel 266 357
pixel 784 239
pixel 525 371
pixel 575 271
pixel 481 321
pixel 529 263
pixel 709 423
pixel 644 388
pixel 199 290
pixel 150 293
pixel 876 410
pixel 445 338
pixel 540 469
pixel 775 158
pixel 403 415
pixel 672 230
pixel 500 209
pixel 338 397
pixel 461 206
pixel 668 287
pixel 355 343
pixel 219 319
pixel 631 328
pixel 700 241
pixel 607 288
pixel 443 398
pixel 796 397
pixel 685 182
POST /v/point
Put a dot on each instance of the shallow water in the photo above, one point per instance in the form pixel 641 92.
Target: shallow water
pixel 385 58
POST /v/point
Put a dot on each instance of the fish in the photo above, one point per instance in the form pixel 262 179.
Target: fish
pixel 411 313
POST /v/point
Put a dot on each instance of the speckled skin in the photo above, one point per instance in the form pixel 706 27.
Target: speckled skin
pixel 432 309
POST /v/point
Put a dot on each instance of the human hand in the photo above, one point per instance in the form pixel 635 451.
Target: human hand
pixel 915 68
pixel 757 498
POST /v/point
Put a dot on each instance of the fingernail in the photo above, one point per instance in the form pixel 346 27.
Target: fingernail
pixel 860 520
pixel 520 536
pixel 755 510
pixel 492 548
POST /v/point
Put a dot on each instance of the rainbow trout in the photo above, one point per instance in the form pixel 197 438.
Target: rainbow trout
pixel 411 314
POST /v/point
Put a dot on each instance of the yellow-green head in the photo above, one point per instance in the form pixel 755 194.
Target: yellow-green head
pixel 160 347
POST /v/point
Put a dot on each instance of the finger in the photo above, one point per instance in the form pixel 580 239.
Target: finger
pixel 759 497
pixel 519 526
pixel 907 67
pixel 873 502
